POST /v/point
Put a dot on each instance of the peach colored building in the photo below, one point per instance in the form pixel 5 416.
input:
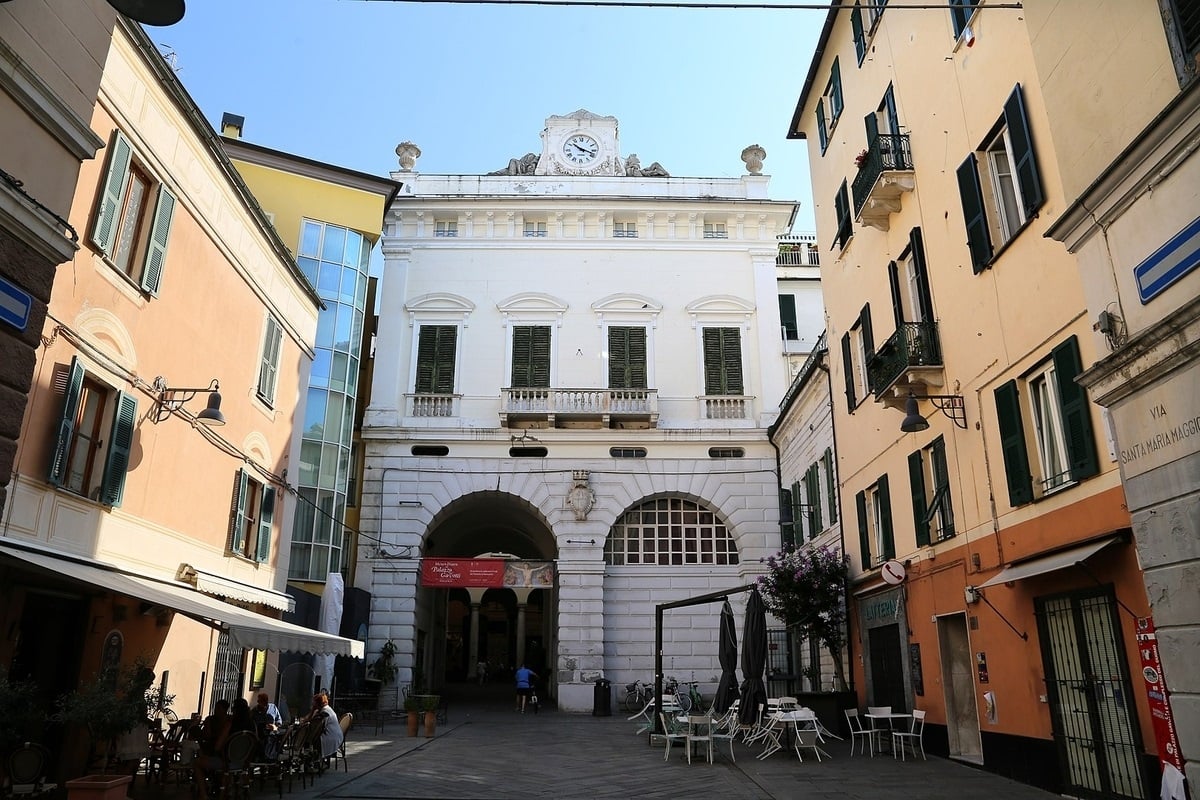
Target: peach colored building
pixel 995 583
pixel 150 498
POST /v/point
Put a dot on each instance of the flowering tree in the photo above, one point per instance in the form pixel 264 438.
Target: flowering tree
pixel 805 589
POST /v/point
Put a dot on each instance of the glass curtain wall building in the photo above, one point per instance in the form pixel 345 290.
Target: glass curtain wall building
pixel 335 260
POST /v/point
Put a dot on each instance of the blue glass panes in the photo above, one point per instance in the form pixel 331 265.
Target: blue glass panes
pixel 310 238
pixel 333 248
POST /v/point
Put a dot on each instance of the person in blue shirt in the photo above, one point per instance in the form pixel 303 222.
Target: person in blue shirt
pixel 526 679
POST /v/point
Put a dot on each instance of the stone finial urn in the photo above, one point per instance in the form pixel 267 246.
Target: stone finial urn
pixel 753 157
pixel 408 153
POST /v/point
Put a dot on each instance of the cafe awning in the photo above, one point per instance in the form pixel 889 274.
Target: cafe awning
pixel 220 586
pixel 247 629
pixel 1050 563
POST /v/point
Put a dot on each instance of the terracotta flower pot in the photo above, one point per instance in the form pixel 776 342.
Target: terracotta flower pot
pixel 430 723
pixel 414 722
pixel 99 787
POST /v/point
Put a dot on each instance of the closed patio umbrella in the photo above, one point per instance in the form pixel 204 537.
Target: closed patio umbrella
pixel 754 659
pixel 727 690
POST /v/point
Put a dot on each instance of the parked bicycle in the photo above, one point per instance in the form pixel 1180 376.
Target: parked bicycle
pixel 637 695
pixel 687 699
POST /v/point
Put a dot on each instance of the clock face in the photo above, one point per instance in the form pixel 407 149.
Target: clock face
pixel 581 149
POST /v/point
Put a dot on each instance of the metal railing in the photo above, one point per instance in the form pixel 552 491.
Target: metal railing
pixel 887 151
pixel 914 344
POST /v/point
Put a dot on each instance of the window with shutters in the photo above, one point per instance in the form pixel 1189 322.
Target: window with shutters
pixel 530 356
pixel 722 361
pixel 252 516
pixel 627 357
pixel 929 479
pixel 812 501
pixel 875 536
pixel 831 493
pixel 787 516
pixel 845 223
pixel 788 326
pixel 436 352
pixel 999 185
pixel 669 531
pixel 268 368
pixel 863 21
pixel 93 438
pixel 961 12
pixel 132 224
pixel 1048 413
pixel 830 105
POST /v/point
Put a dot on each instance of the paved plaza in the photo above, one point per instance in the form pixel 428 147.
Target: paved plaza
pixel 486 751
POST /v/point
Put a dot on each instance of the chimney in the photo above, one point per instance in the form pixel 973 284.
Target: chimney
pixel 231 125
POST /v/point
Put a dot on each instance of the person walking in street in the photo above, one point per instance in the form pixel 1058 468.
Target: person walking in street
pixel 526 678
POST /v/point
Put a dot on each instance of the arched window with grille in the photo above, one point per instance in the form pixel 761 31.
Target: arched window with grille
pixel 669 531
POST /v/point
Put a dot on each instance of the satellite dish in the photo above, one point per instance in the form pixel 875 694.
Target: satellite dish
pixel 150 12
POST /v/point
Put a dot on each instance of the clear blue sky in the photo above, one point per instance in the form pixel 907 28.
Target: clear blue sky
pixel 344 81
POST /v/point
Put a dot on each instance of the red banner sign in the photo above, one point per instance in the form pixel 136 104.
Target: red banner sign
pixel 485 573
pixel 1156 691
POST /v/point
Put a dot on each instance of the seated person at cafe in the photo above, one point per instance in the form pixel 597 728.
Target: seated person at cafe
pixel 266 715
pixel 214 733
pixel 322 714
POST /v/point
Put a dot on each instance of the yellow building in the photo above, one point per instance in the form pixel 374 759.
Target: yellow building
pixel 145 517
pixel 331 218
pixel 993 571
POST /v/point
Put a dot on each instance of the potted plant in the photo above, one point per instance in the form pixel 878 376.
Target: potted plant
pixel 383 668
pixel 413 707
pixel 861 159
pixel 429 704
pixel 113 708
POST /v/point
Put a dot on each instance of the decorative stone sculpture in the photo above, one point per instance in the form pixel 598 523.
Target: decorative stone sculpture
pixel 753 157
pixel 525 165
pixel 634 169
pixel 580 498
pixel 408 153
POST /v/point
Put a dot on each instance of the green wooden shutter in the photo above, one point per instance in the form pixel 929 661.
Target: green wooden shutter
pixel 822 132
pixel 540 357
pixel 941 479
pixel 266 515
pixel 921 267
pixel 885 518
pixel 814 499
pixel 722 361
pixel 618 358
pixel 835 94
pixel 871 123
pixel 1028 179
pixel 160 232
pixel 787 316
pixel 1076 411
pixel 269 368
pixel 104 231
pixel 841 204
pixel 916 482
pixel 897 301
pixel 237 519
pixel 868 335
pixel 860 39
pixel 435 359
pixel 637 358
pixel 1012 444
pixel 786 531
pixel 979 239
pixel 120 442
pixel 831 486
pixel 522 349
pixel 66 425
pixel 848 369
pixel 864 535
pixel 797 511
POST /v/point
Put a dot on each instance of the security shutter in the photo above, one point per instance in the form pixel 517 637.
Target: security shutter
pixel 1012 445
pixel 1076 416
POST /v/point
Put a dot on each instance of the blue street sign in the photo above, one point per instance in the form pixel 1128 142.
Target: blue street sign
pixel 1169 263
pixel 15 304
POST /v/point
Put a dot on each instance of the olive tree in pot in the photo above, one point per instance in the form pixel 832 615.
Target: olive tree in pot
pixel 114 709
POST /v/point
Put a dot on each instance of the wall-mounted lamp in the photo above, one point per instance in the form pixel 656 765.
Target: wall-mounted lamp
pixel 150 12
pixel 171 400
pixel 951 405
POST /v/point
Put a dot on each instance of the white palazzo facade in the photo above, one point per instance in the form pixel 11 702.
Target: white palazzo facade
pixel 577 361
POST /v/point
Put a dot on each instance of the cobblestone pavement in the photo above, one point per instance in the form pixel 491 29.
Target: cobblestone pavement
pixel 486 751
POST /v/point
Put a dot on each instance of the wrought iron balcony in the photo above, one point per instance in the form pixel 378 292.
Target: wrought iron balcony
pixel 582 408
pixel 886 173
pixel 910 356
